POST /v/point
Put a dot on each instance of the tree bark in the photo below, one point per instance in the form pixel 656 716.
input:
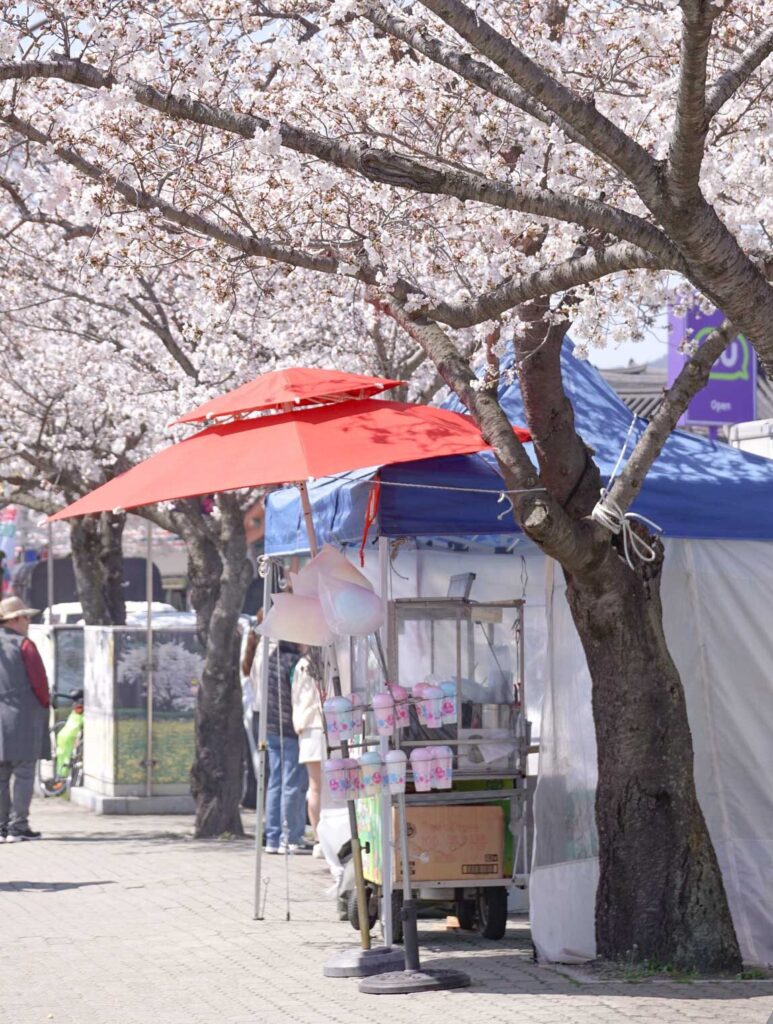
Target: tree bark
pixel 660 897
pixel 219 574
pixel 97 558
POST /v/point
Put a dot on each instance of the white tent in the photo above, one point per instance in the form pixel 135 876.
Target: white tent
pixel 715 601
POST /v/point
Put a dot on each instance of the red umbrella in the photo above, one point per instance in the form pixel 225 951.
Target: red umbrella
pixel 298 386
pixel 288 447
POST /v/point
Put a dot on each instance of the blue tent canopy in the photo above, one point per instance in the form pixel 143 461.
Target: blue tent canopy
pixel 696 488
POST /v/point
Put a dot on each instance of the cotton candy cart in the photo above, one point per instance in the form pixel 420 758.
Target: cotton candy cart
pixel 468 843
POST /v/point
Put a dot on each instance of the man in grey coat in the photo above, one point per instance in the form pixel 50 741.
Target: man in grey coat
pixel 24 702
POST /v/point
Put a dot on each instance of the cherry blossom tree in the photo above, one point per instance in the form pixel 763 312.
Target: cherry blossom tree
pixel 473 172
pixel 100 354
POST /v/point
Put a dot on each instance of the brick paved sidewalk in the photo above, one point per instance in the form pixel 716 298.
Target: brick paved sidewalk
pixel 129 921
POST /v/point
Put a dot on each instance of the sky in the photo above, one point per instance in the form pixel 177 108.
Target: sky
pixel 647 351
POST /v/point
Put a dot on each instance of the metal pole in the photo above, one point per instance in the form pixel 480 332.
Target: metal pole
pixel 260 796
pixel 149 662
pixel 410 928
pixel 386 800
pixel 359 878
pixel 50 573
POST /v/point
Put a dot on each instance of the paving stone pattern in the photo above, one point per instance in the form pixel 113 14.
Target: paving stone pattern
pixel 130 921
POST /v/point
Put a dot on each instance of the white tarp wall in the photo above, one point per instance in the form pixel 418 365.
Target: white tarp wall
pixel 717 609
pixel 716 603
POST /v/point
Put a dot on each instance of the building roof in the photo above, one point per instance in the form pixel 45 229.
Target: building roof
pixel 641 386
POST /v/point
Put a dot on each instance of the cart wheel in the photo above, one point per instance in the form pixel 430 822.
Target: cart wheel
pixel 353 909
pixel 397 917
pixel 492 912
pixel 465 914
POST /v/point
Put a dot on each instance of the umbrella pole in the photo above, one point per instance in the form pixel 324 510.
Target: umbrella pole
pixel 365 961
pixel 359 878
pixel 260 787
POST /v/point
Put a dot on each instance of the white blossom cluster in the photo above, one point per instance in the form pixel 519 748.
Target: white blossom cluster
pixel 85 316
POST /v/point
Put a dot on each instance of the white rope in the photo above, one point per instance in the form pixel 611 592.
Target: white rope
pixel 609 514
pixel 462 490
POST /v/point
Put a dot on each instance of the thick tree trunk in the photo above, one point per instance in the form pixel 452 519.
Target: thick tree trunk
pixel 660 897
pixel 97 555
pixel 111 532
pixel 219 580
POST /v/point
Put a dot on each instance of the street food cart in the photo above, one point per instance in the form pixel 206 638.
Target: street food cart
pixel 467 844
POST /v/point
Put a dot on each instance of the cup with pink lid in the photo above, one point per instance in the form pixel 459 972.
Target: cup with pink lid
pixel 337 781
pixel 401 698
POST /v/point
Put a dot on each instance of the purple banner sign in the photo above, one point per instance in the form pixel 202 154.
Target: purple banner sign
pixel 731 393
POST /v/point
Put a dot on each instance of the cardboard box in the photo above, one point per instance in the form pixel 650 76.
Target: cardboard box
pixel 453 843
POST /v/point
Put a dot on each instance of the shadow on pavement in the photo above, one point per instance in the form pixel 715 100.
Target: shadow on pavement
pixel 47 886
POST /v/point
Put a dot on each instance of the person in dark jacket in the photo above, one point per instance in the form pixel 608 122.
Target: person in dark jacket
pixel 287 781
pixel 24 736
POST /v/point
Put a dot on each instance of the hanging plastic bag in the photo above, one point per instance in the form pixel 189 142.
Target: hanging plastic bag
pixel 349 610
pixel 298 620
pixel 329 562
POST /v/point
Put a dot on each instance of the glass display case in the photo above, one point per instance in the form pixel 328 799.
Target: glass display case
pixel 477 647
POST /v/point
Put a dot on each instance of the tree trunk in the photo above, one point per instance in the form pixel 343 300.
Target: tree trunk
pixel 97 556
pixel 219 581
pixel 111 533
pixel 660 897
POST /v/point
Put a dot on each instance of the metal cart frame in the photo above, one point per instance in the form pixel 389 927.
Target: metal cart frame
pixel 468 895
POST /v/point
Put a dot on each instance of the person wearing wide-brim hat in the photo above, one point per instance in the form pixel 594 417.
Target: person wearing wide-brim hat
pixel 24 703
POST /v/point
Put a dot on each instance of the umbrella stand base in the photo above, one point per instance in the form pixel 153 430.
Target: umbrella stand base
pixel 429 979
pixel 362 963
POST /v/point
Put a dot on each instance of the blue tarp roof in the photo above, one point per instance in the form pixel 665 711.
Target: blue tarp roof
pixel 696 488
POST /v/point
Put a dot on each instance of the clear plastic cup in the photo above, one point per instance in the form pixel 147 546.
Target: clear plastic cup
pixel 432 705
pixel 421 765
pixel 339 719
pixel 354 788
pixel 371 774
pixel 442 767
pixel 402 699
pixel 448 708
pixel 336 773
pixel 384 713
pixel 394 768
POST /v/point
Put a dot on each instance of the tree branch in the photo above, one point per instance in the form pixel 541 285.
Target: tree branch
pixel 538 514
pixel 688 137
pixel 134 196
pixel 599 134
pixel 693 376
pixel 378 165
pixel 473 71
pixel 734 79
pixel 559 278
pixel 566 467
pixel 159 324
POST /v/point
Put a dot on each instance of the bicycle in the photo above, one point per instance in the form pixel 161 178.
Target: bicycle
pixel 67 750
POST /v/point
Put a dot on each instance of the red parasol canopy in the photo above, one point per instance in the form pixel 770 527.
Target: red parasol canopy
pixel 286 448
pixel 298 386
